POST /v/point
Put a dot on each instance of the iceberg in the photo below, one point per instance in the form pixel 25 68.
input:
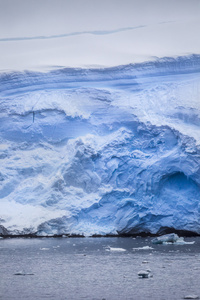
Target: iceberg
pixel 171 238
pixel 168 238
pixel 101 151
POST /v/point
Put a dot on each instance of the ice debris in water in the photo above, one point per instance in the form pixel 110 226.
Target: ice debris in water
pixel 145 274
pixel 44 249
pixel 171 238
pixel 143 248
pixel 191 297
pixel 181 241
pixel 115 249
pixel 167 238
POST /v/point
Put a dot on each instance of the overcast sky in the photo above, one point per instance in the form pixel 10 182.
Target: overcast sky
pixel 42 17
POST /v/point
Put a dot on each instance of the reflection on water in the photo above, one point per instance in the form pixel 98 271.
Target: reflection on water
pixel 97 268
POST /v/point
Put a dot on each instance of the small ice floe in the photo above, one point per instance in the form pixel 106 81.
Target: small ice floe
pixel 143 248
pixel 181 241
pixel 145 274
pixel 191 297
pixel 145 262
pixel 115 249
pixel 171 238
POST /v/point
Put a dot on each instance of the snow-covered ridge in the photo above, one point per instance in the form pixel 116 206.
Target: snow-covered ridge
pixel 98 151
pixel 75 77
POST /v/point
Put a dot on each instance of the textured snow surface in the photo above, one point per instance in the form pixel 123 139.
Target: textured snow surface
pixel 99 151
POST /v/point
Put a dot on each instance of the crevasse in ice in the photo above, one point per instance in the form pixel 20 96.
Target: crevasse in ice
pixel 101 151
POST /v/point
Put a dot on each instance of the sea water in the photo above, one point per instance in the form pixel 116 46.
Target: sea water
pixel 97 268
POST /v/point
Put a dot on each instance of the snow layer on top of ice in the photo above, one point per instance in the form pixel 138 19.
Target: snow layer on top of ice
pixel 41 35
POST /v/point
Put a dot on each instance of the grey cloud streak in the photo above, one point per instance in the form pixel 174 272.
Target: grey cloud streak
pixel 96 32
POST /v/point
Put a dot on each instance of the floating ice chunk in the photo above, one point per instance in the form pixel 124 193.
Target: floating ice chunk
pixel 181 241
pixel 143 248
pixel 167 238
pixel 191 297
pixel 171 238
pixel 116 249
pixel 145 274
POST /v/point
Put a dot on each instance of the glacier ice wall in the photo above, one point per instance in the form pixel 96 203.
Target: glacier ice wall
pixel 102 151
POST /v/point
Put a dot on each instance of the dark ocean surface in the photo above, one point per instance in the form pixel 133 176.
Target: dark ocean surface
pixel 94 269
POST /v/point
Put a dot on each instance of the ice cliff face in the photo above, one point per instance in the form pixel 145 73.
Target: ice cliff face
pixel 101 151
